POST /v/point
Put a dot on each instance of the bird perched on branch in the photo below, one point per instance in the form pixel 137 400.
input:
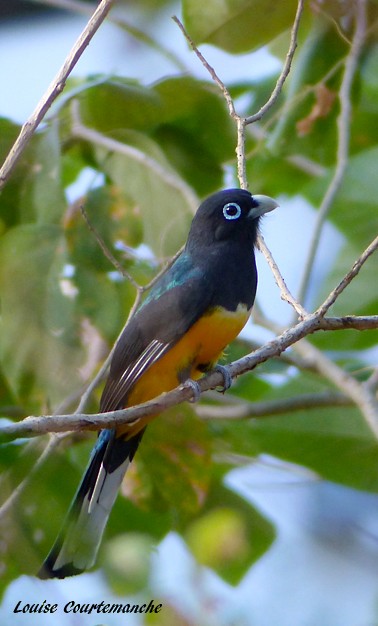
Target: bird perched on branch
pixel 195 309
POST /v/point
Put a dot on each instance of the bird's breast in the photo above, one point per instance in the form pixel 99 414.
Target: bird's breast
pixel 198 349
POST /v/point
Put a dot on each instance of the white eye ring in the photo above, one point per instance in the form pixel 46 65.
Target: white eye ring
pixel 231 211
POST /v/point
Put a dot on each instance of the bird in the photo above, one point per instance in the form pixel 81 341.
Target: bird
pixel 177 334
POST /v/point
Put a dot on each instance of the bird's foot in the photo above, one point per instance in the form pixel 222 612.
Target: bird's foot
pixel 227 378
pixel 194 386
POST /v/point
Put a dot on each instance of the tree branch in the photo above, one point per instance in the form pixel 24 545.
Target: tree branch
pixel 32 426
pixel 361 395
pixel 331 298
pixel 242 122
pixel 249 410
pixel 53 91
pixel 280 281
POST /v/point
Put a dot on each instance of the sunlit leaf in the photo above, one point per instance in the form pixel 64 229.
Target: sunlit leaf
pixel 42 197
pixel 157 192
pixel 235 25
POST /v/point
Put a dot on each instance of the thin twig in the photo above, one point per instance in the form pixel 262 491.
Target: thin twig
pixel 343 125
pixel 242 122
pixel 107 253
pixel 249 410
pixel 357 265
pixel 285 293
pixel 261 133
pixel 53 91
pixel 209 68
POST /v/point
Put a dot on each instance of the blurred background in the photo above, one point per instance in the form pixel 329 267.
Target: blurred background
pixel 300 489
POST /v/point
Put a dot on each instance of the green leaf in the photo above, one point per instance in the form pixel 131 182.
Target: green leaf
pixel 173 465
pixel 354 208
pixel 237 25
pixel 39 349
pixel 117 104
pixel 111 217
pixel 42 197
pixel 318 140
pixel 229 536
pixel 10 193
pixel 164 201
pixel 344 458
pixel 192 114
pixel 369 79
pixel 271 174
pixel 334 442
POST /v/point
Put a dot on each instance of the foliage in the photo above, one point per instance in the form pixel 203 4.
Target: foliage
pixel 153 151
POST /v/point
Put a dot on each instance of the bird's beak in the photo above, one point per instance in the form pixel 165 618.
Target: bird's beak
pixel 265 204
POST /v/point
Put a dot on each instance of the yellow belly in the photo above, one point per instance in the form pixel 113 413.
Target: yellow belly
pixel 202 344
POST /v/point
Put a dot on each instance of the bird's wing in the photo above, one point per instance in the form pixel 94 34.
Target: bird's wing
pixel 173 306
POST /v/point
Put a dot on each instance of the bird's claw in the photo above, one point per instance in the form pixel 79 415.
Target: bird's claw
pixel 194 386
pixel 227 378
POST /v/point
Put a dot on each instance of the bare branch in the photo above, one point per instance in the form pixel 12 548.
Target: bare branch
pixel 285 293
pixel 347 278
pixel 209 68
pixel 249 410
pixel 242 122
pixel 370 322
pixel 32 426
pixel 360 394
pixel 53 91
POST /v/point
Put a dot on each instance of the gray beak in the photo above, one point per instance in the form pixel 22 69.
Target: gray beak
pixel 265 204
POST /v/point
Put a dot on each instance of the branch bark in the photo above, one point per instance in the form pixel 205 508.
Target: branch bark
pixel 249 410
pixel 32 426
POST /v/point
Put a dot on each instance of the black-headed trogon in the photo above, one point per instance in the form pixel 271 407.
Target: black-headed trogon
pixel 195 309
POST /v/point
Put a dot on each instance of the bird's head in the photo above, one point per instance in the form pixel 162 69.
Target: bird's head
pixel 231 214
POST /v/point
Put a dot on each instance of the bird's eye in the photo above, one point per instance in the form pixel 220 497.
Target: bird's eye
pixel 231 211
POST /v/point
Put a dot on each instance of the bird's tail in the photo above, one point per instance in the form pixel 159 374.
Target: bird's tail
pixel 76 546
